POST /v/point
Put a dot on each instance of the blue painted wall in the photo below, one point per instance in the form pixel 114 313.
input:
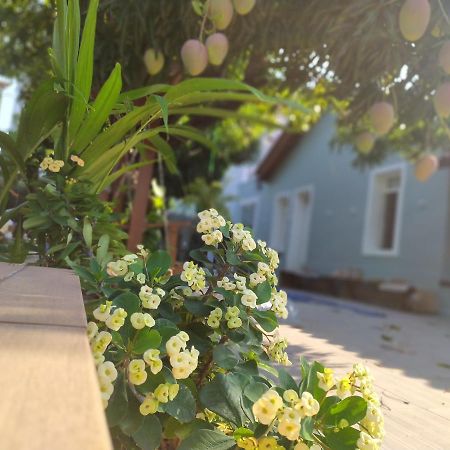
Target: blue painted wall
pixel 338 215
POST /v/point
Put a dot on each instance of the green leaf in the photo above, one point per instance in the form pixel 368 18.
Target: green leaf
pixel 166 151
pixel 286 380
pixel 173 428
pixel 162 102
pixel 207 440
pixel 133 418
pixel 149 435
pixel 352 409
pixel 232 258
pixel 8 144
pixel 223 395
pixel 196 306
pixel 254 391
pixel 101 109
pixel 264 292
pixel 102 249
pixel 87 232
pixel 266 319
pixel 146 339
pixel 311 383
pixel 182 407
pixel 158 263
pixel 343 439
pixel 242 432
pixel 226 355
pixel 83 70
pixel 307 429
pixel 42 113
pixel 128 301
pixel 118 403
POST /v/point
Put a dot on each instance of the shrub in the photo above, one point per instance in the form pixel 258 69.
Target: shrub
pixel 185 361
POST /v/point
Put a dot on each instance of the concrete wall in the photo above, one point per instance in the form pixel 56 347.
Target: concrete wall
pixel 339 208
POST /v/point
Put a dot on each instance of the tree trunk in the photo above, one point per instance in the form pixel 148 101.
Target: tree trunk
pixel 138 219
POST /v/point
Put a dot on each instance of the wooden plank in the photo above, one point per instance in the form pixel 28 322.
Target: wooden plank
pixel 50 395
pixel 40 295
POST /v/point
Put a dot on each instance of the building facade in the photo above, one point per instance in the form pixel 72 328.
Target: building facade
pixel 326 217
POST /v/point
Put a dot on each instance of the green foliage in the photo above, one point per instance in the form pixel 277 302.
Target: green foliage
pixel 206 338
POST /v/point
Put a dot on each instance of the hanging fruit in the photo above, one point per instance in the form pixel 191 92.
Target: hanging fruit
pixel 220 13
pixel 364 142
pixel 217 46
pixel 425 167
pixel 243 7
pixel 414 18
pixel 382 117
pixel 444 56
pixel 441 100
pixel 194 56
pixel 154 61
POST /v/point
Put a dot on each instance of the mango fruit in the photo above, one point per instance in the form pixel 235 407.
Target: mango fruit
pixel 382 117
pixel 194 56
pixel 444 56
pixel 364 142
pixel 217 46
pixel 154 61
pixel 220 13
pixel 243 7
pixel 425 167
pixel 441 100
pixel 414 18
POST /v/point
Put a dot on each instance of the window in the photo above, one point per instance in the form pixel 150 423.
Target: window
pixel 382 228
pixel 280 223
pixel 248 213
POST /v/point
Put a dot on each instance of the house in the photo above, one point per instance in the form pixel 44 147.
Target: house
pixel 9 104
pixel 333 224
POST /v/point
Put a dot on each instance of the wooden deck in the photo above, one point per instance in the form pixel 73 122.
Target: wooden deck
pixel 409 356
pixel 50 395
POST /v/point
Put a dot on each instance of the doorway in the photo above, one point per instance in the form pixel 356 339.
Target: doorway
pixel 297 250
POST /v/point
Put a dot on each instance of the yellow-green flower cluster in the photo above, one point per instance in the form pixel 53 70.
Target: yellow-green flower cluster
pixel 242 237
pixel 106 370
pixel 263 443
pixel 151 297
pixel 210 222
pixel 136 372
pixel 183 361
pixel 249 298
pixel 279 304
pixel 54 165
pixel 76 159
pixel 153 359
pixel 107 373
pixel 163 394
pixel 373 422
pixel 276 351
pixel 141 320
pixel 232 317
pixel 194 276
pixel 117 319
pixel 214 318
pixel 226 284
pixel 326 379
pixel 114 320
pixel 270 409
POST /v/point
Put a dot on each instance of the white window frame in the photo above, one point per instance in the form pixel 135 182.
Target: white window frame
pixel 367 247
pixel 276 220
pixel 250 201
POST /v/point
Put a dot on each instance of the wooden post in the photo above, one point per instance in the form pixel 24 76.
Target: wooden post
pixel 50 394
pixel 138 219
